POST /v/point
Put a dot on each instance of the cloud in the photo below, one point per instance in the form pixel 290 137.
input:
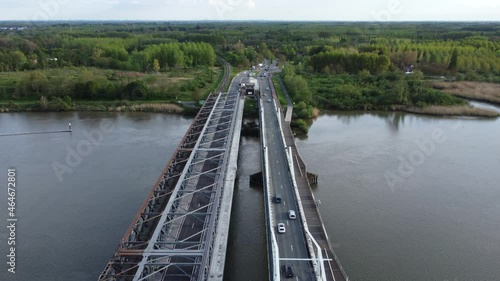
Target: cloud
pixel 250 4
pixel 249 9
pixel 232 4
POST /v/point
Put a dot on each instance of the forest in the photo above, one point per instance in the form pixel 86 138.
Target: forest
pixel 328 65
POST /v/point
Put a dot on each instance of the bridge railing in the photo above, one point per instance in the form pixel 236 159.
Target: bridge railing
pixel 318 265
pixel 272 243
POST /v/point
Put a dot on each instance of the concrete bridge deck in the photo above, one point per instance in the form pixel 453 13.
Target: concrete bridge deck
pixel 331 268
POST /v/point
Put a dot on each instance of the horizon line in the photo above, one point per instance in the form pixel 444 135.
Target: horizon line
pixel 254 20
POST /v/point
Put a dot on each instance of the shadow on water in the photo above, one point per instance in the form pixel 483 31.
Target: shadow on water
pixel 246 257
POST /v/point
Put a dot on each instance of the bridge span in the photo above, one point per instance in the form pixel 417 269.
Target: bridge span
pixel 304 245
pixel 181 230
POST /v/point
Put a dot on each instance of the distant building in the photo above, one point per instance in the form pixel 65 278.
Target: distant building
pixel 409 69
pixel 13 28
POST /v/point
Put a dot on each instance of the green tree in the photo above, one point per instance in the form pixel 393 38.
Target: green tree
pixel 136 90
pixel 140 61
pixel 196 96
pixel 156 65
pixel 399 92
pixel 38 82
pixel 298 88
pixel 454 60
pixel 44 103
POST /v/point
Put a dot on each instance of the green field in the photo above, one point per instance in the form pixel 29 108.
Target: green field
pixel 108 88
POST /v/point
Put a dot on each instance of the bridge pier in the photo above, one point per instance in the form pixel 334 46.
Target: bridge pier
pixel 256 180
pixel 312 178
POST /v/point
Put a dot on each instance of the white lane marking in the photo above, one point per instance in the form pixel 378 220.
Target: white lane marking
pixel 287 223
pixel 281 186
pixel 192 225
pixel 284 203
pixel 199 204
pixel 299 259
pixel 292 247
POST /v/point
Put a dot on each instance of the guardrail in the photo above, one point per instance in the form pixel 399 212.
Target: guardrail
pixel 318 264
pixel 281 128
pixel 273 253
pixel 303 170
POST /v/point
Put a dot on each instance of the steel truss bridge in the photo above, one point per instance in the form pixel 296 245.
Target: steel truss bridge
pixel 181 230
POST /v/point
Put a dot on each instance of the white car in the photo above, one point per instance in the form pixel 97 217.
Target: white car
pixel 281 228
pixel 291 214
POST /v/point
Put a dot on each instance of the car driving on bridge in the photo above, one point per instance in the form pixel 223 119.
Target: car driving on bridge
pixel 281 228
pixel 288 271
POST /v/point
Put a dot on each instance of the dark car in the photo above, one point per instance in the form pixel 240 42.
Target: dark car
pixel 288 271
pixel 277 197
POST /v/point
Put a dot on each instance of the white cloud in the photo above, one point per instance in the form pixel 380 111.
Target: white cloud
pixel 250 4
pixel 458 10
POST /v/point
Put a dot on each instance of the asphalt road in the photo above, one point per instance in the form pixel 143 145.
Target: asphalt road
pixel 292 244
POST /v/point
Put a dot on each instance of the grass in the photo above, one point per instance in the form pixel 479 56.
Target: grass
pixel 454 111
pixel 169 81
pixel 164 81
pixel 152 107
pixel 481 91
pixel 119 106
pixel 72 73
pixel 215 85
pixel 234 72
pixel 251 109
pixel 279 92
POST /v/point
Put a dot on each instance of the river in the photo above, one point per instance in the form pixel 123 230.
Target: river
pixel 403 196
pixel 409 197
pixel 69 229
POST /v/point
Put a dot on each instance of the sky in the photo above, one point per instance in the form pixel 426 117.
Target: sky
pixel 289 10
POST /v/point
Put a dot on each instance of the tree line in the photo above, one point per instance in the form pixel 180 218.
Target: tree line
pixel 18 53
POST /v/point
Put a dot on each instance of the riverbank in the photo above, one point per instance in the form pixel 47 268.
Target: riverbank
pixel 453 111
pixel 167 107
pixel 98 106
pixel 390 91
pixel 480 91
